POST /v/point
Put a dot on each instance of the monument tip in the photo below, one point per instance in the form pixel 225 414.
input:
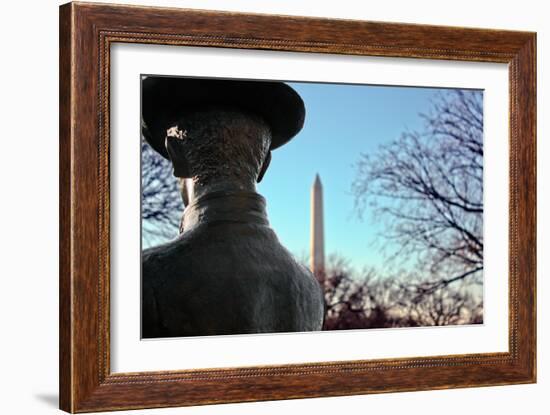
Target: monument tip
pixel 317 181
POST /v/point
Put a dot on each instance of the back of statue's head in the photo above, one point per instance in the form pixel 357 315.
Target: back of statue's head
pixel 215 143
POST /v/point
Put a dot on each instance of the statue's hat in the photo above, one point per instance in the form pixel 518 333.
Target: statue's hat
pixel 164 99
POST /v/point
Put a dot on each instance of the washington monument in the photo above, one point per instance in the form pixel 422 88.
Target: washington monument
pixel 317 231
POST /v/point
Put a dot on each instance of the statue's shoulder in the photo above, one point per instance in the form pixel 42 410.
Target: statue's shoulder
pixel 153 255
pixel 163 256
pixel 177 246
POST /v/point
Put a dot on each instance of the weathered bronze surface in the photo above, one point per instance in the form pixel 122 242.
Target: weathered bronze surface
pixel 226 273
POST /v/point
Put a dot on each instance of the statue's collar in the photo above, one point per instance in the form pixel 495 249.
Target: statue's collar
pixel 226 206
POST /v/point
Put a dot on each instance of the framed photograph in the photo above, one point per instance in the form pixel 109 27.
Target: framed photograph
pixel 258 207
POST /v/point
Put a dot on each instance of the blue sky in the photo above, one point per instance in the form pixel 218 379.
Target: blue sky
pixel 342 121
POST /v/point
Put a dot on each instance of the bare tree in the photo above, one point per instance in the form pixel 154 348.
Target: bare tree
pixel 345 298
pixel 161 203
pixel 361 300
pixel 459 303
pixel 443 307
pixel 428 188
pixel 371 300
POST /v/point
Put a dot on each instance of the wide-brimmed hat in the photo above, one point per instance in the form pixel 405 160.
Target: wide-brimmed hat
pixel 164 99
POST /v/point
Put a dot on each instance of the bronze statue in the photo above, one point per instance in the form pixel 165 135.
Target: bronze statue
pixel 226 273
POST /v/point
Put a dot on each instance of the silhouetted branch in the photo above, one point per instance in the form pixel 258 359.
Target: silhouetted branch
pixel 161 204
pixel 428 188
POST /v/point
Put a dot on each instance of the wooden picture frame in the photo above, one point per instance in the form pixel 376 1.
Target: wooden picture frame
pixel 86 33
